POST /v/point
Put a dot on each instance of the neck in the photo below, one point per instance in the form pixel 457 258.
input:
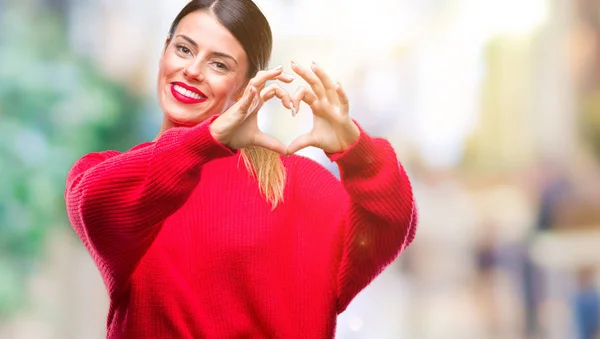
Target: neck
pixel 166 124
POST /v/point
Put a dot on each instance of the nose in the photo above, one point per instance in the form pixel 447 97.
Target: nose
pixel 193 71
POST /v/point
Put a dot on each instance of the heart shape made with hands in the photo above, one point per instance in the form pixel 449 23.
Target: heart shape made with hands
pixel 333 130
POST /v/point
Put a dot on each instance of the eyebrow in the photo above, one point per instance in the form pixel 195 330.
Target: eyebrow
pixel 219 54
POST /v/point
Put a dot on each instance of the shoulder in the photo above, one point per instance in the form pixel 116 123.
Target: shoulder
pixel 103 155
pixel 93 158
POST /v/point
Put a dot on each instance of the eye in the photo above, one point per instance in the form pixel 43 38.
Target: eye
pixel 183 49
pixel 220 66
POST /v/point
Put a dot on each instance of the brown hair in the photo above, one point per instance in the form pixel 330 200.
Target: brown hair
pixel 249 26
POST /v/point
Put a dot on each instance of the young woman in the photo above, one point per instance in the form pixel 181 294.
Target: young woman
pixel 216 230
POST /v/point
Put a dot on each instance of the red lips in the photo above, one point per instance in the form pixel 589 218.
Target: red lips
pixel 187 94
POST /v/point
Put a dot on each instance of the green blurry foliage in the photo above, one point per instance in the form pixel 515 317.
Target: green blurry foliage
pixel 54 108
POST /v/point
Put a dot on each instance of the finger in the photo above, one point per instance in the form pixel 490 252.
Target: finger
pixel 270 143
pixel 343 97
pixel 302 94
pixel 310 78
pixel 248 100
pixel 276 90
pixel 323 77
pixel 261 78
pixel 285 77
pixel 301 142
pixel 255 106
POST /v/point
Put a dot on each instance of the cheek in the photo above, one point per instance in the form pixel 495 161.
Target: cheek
pixel 226 89
pixel 161 75
pixel 167 65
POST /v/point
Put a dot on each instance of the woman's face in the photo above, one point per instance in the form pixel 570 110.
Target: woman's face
pixel 202 71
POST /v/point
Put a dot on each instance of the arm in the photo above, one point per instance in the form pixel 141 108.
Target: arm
pixel 381 215
pixel 117 202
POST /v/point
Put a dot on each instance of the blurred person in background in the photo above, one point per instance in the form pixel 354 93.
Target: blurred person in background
pixel 553 189
pixel 216 230
pixel 586 305
pixel 486 255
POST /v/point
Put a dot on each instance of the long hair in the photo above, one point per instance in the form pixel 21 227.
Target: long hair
pixel 249 26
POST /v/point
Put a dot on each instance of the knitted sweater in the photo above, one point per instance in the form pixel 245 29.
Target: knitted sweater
pixel 189 248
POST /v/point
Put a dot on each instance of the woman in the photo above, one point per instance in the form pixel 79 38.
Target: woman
pixel 191 243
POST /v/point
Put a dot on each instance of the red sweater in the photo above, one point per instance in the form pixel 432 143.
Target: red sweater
pixel 189 248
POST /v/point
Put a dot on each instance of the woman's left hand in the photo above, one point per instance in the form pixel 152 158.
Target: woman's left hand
pixel 333 131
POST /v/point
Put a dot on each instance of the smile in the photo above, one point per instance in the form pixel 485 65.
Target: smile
pixel 187 95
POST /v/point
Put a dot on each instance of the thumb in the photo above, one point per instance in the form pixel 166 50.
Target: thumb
pixel 301 142
pixel 270 143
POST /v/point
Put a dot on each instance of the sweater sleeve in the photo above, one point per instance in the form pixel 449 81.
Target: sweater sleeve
pixel 116 202
pixel 380 219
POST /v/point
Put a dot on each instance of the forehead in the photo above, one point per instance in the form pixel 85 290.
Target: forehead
pixel 208 32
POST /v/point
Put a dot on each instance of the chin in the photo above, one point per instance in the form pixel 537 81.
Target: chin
pixel 180 120
pixel 187 116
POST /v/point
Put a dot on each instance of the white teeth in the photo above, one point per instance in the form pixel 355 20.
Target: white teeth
pixel 187 92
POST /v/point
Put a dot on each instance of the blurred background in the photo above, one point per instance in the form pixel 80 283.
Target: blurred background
pixel 492 105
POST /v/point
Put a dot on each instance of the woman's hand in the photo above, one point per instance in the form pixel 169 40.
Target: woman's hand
pixel 238 126
pixel 333 131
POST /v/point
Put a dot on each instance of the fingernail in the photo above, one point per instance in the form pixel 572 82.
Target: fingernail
pixel 314 64
pixel 279 67
pixel 293 111
pixel 290 76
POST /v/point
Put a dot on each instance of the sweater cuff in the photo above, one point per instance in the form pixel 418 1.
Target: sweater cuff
pixel 197 145
pixel 204 140
pixel 361 153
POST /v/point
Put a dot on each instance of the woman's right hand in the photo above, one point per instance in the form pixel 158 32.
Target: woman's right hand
pixel 238 126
